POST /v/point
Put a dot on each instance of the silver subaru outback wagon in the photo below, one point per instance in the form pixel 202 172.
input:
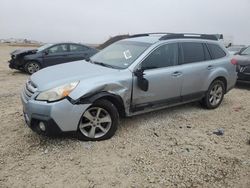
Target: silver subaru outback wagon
pixel 136 75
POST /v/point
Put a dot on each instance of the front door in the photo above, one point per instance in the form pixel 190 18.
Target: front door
pixel 56 54
pixel 165 80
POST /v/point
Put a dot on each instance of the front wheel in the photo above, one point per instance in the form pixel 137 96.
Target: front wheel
pixel 214 95
pixel 32 67
pixel 98 122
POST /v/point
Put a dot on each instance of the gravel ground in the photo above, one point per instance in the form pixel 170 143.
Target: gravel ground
pixel 168 148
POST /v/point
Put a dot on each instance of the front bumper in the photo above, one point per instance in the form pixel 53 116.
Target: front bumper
pixel 60 116
pixel 12 64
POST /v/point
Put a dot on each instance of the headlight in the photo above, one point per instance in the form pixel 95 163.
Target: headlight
pixel 57 93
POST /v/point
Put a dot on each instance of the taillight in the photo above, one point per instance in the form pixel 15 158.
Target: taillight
pixel 234 61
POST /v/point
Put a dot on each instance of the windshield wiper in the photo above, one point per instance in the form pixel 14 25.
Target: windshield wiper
pixel 105 65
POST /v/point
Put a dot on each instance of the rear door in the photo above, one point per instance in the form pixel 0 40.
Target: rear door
pixel 78 52
pixel 57 54
pixel 165 79
pixel 195 65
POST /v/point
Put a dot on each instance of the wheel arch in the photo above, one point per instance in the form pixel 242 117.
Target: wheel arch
pixel 113 98
pixel 33 60
pixel 219 74
pixel 223 79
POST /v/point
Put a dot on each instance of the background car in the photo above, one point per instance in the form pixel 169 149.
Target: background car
pixel 243 64
pixel 49 54
pixel 235 49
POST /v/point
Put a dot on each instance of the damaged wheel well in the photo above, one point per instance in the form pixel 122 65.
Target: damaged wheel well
pixel 117 102
pixel 114 99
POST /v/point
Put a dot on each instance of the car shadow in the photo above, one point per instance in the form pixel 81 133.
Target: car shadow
pixel 17 72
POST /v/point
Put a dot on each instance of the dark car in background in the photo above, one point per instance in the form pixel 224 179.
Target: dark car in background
pixel 243 64
pixel 33 60
pixel 234 49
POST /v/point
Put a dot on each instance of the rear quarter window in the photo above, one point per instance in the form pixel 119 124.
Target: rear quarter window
pixel 216 51
pixel 193 52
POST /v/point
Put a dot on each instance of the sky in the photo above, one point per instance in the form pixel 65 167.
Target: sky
pixel 94 21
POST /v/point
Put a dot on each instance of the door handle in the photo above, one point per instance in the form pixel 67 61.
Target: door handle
pixel 210 67
pixel 177 73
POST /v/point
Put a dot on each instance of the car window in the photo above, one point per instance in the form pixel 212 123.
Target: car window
pixel 41 48
pixel 120 54
pixel 58 49
pixel 216 51
pixel 192 52
pixel 77 48
pixel 164 56
pixel 246 51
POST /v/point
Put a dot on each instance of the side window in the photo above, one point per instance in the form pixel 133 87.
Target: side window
pixel 216 51
pixel 192 52
pixel 77 48
pixel 58 49
pixel 164 56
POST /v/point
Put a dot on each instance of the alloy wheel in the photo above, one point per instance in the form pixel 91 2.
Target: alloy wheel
pixel 216 94
pixel 95 123
pixel 33 67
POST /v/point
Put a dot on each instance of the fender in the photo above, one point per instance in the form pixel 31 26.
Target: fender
pixel 33 57
pixel 91 98
pixel 219 72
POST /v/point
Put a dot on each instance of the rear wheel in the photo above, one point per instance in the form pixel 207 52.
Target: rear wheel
pixel 214 95
pixel 32 67
pixel 98 122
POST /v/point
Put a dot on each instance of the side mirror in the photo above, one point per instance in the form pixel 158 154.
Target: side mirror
pixel 141 81
pixel 45 52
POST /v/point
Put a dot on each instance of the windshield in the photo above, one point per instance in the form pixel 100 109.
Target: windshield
pixel 43 47
pixel 120 54
pixel 246 51
pixel 234 49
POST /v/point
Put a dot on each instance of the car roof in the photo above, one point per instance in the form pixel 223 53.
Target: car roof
pixel 154 38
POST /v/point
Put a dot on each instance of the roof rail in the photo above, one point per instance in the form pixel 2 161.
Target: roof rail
pixel 147 34
pixel 188 35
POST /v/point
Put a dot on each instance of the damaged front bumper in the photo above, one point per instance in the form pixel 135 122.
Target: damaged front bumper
pixel 14 64
pixel 56 117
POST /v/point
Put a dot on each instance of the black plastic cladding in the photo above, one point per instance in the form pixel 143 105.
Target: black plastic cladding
pixel 147 34
pixel 180 35
pixel 189 36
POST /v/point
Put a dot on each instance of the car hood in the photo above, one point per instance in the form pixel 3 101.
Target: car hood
pixel 242 59
pixel 69 72
pixel 23 51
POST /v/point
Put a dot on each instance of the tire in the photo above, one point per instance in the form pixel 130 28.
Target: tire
pixel 214 95
pixel 32 67
pixel 98 122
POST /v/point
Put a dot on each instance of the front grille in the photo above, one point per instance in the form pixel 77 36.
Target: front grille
pixel 29 90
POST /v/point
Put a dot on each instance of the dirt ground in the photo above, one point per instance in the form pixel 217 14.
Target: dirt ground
pixel 168 148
